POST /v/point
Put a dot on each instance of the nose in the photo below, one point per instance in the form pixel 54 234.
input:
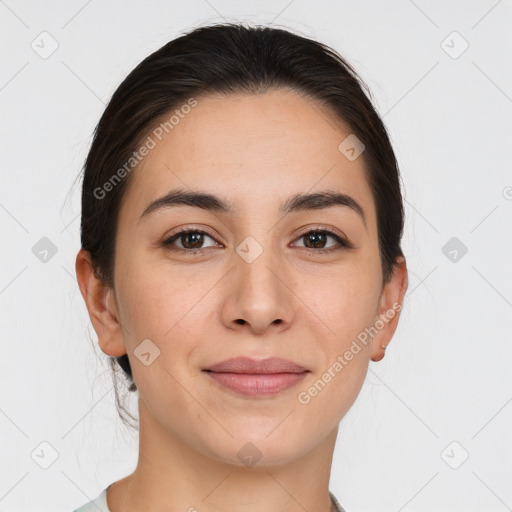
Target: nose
pixel 258 296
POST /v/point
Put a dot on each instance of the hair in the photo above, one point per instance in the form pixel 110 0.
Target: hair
pixel 231 58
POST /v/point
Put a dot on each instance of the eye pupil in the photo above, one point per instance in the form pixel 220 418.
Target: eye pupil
pixel 316 237
pixel 197 240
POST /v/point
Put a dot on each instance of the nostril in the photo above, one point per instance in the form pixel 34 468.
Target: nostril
pixel 240 321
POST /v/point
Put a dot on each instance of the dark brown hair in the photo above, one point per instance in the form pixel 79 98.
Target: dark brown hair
pixel 230 58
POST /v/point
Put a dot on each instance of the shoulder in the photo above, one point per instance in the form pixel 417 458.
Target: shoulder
pixel 338 508
pixel 99 504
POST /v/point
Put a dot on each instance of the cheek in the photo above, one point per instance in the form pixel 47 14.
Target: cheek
pixel 344 300
pixel 153 296
pixel 168 314
pixel 169 308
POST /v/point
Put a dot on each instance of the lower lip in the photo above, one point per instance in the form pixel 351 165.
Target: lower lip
pixel 257 384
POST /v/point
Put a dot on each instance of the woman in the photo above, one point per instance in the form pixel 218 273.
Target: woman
pixel 241 262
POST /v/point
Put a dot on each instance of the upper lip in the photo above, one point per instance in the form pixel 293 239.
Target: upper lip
pixel 256 366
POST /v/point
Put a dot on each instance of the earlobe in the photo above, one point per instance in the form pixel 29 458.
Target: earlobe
pixel 101 306
pixel 389 310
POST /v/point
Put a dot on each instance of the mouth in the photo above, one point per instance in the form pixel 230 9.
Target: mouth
pixel 250 377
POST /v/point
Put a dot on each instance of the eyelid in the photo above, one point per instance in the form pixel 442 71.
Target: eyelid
pixel 307 229
pixel 193 229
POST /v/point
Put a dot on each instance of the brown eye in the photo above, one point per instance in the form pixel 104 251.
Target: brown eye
pixel 317 240
pixel 191 240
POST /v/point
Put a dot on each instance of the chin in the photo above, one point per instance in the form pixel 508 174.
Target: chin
pixel 253 449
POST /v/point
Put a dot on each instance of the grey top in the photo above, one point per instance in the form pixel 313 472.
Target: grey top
pixel 100 504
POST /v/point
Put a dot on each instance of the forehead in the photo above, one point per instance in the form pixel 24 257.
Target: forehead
pixel 253 149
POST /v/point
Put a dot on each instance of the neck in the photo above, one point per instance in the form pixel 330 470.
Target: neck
pixel 172 475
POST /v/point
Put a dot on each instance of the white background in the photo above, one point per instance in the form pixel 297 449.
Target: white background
pixel 446 376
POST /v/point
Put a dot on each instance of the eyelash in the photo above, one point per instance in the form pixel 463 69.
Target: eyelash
pixel 343 244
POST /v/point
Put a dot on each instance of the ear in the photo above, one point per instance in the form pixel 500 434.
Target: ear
pixel 101 305
pixel 390 306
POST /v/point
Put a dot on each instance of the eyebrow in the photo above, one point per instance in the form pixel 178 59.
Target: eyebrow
pixel 298 202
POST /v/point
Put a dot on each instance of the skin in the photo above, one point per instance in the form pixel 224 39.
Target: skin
pixel 254 150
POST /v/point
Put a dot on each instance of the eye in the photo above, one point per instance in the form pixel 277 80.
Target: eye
pixel 191 241
pixel 316 239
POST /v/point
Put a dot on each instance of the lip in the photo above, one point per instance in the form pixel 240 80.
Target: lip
pixel 259 366
pixel 252 377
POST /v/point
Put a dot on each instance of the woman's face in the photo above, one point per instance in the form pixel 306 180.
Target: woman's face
pixel 260 287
